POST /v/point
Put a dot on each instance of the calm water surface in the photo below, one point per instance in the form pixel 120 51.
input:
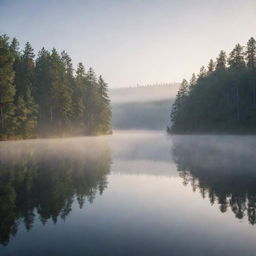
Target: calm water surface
pixel 133 193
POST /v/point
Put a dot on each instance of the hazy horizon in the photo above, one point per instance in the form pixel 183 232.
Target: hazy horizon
pixel 133 42
pixel 134 156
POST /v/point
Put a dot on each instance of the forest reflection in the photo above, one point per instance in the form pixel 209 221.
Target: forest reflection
pixel 44 179
pixel 222 168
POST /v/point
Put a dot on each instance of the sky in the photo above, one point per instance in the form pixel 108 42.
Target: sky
pixel 132 42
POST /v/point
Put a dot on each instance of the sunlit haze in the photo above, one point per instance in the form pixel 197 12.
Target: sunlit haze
pixel 127 127
pixel 135 41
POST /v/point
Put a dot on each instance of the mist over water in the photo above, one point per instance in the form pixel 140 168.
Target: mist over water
pixel 144 108
pixel 144 93
pixel 112 177
pixel 132 193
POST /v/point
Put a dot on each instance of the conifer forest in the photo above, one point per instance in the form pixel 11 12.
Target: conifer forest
pixel 221 98
pixel 44 96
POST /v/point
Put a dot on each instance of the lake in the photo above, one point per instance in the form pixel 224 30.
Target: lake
pixel 132 193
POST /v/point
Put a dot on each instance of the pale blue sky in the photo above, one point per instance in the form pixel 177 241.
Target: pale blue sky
pixel 133 41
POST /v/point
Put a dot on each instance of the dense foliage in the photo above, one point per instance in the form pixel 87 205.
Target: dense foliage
pixel 222 98
pixel 43 96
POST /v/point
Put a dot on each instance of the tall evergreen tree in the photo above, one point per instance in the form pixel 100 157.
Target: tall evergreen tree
pixel 236 57
pixel 211 66
pixel 7 87
pixel 60 92
pixel 251 64
pixel 105 110
pixel 192 81
pixel 21 113
pixel 14 46
pixel 202 73
pixel 251 53
pixel 221 61
pixel 67 62
pixel 43 86
pixel 79 96
pixel 24 71
pixel 32 115
pixel 178 106
pixel 91 100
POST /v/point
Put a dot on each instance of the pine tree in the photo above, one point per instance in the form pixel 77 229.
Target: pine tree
pixel 91 101
pixel 80 72
pixel 211 66
pixel 26 113
pixel 21 115
pixel 67 61
pixel 68 66
pixel 43 86
pixel 15 47
pixel 236 57
pixel 193 79
pixel 7 87
pixel 24 71
pixel 177 108
pixel 60 90
pixel 79 96
pixel 32 115
pixel 17 58
pixel 251 53
pixel 221 61
pixel 79 109
pixel 251 64
pixel 202 73
pixel 91 77
pixel 192 82
pixel 105 111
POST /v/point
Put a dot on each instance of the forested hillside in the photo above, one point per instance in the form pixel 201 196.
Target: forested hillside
pixel 222 98
pixel 44 96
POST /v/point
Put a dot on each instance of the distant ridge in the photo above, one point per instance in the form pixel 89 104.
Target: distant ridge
pixel 168 84
pixel 142 93
pixel 157 84
pixel 142 107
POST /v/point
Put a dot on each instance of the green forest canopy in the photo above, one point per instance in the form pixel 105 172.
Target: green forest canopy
pixel 43 96
pixel 222 98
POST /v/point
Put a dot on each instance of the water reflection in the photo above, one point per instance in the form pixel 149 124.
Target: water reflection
pixel 222 168
pixel 145 209
pixel 44 178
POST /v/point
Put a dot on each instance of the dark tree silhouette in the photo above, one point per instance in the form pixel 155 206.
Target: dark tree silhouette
pixel 221 99
pixel 43 97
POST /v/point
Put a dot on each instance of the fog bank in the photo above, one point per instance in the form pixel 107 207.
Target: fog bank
pixel 142 108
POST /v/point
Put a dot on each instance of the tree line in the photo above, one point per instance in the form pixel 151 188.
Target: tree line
pixel 222 97
pixel 45 96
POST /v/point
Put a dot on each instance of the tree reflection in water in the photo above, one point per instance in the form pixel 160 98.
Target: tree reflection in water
pixel 223 168
pixel 45 178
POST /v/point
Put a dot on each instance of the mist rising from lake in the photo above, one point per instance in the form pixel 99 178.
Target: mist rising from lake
pixel 144 108
pixel 135 192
